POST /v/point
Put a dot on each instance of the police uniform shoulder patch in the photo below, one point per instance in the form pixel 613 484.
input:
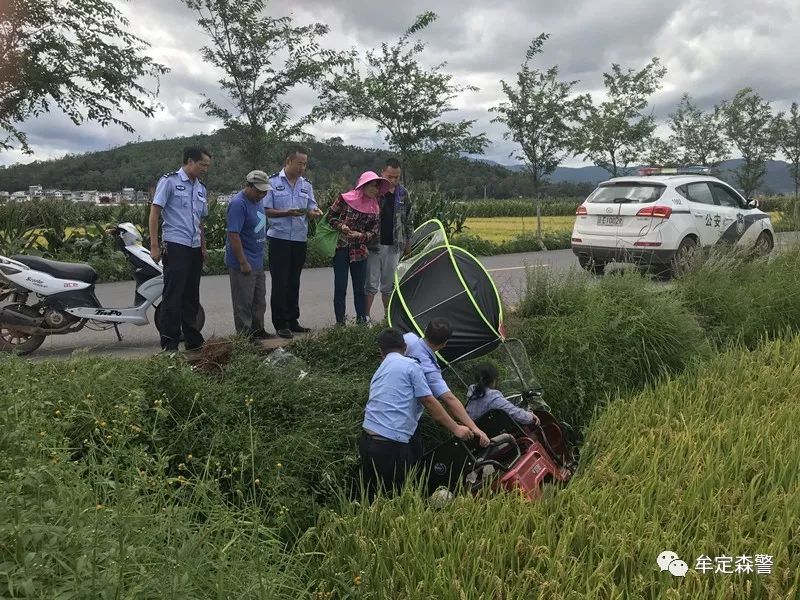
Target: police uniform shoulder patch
pixel 170 174
pixel 274 175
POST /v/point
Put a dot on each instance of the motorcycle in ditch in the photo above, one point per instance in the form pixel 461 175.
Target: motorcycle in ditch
pixel 64 294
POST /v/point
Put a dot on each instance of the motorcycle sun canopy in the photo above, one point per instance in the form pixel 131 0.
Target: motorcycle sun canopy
pixel 437 279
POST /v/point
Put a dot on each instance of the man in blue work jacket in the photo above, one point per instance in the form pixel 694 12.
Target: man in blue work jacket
pixel 288 205
pixel 423 350
pixel 398 394
pixel 181 201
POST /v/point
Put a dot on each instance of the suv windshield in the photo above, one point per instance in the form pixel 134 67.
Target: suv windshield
pixel 627 192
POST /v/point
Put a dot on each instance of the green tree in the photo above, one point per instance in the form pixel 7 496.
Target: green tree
pixel 616 132
pixel 247 46
pixel 697 135
pixel 406 101
pixel 540 114
pixel 750 126
pixel 660 152
pixel 789 142
pixel 72 55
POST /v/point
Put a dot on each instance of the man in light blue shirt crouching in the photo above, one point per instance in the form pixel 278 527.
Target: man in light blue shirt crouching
pixel 423 350
pixel 398 394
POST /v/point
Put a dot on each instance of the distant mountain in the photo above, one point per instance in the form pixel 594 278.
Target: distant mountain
pixel 562 174
pixel 778 179
pixel 580 174
pixel 332 167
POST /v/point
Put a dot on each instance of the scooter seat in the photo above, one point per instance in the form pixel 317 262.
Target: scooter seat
pixel 59 270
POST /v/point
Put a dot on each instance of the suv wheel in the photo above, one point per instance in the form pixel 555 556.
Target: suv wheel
pixel 591 265
pixel 764 244
pixel 685 257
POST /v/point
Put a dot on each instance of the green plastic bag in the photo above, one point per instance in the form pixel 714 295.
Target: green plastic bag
pixel 325 239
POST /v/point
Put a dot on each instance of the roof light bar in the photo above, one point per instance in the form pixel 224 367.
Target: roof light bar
pixel 694 170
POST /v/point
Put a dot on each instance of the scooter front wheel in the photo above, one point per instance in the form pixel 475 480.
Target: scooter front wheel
pixel 17 342
pixel 199 322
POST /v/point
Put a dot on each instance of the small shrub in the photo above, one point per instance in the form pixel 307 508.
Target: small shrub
pixel 428 202
pixel 523 242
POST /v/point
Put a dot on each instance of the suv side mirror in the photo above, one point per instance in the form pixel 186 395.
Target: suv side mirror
pixel 752 203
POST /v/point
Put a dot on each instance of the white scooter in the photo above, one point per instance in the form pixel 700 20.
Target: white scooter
pixel 66 298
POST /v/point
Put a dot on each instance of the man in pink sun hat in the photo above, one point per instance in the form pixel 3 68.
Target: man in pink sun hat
pixel 355 215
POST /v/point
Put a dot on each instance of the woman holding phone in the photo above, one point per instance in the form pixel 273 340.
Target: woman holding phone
pixel 355 216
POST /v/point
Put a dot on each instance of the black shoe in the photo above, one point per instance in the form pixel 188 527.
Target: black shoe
pixel 297 328
pixel 262 335
pixel 285 333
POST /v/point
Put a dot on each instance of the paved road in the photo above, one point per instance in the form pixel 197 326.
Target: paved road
pixel 507 270
pixel 316 298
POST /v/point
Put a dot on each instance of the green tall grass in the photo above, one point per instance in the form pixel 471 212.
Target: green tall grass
pixel 738 298
pixel 589 341
pixel 98 503
pixel 704 464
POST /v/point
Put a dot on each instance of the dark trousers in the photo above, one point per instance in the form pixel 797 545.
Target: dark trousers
pixel 384 463
pixel 286 260
pixel 358 273
pixel 249 299
pixel 417 448
pixel 180 301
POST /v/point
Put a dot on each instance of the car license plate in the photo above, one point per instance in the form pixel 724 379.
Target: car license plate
pixel 609 220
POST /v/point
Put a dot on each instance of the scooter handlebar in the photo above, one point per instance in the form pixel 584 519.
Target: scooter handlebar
pixel 498 440
pixel 503 438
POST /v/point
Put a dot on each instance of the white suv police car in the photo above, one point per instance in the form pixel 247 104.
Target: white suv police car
pixel 661 217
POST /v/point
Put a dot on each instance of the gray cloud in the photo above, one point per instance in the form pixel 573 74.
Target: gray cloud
pixel 711 48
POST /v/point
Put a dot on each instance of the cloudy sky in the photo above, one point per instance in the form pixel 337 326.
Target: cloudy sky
pixel 711 49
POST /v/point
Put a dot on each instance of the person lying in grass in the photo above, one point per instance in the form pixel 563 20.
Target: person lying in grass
pixel 483 397
pixel 398 394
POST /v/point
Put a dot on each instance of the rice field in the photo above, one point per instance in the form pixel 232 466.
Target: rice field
pixel 704 465
pixel 500 229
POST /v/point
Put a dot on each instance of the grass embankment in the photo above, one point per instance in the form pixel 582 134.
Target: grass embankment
pixel 153 479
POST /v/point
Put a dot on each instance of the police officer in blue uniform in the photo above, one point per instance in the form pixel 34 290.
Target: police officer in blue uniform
pixel 181 202
pixel 288 205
